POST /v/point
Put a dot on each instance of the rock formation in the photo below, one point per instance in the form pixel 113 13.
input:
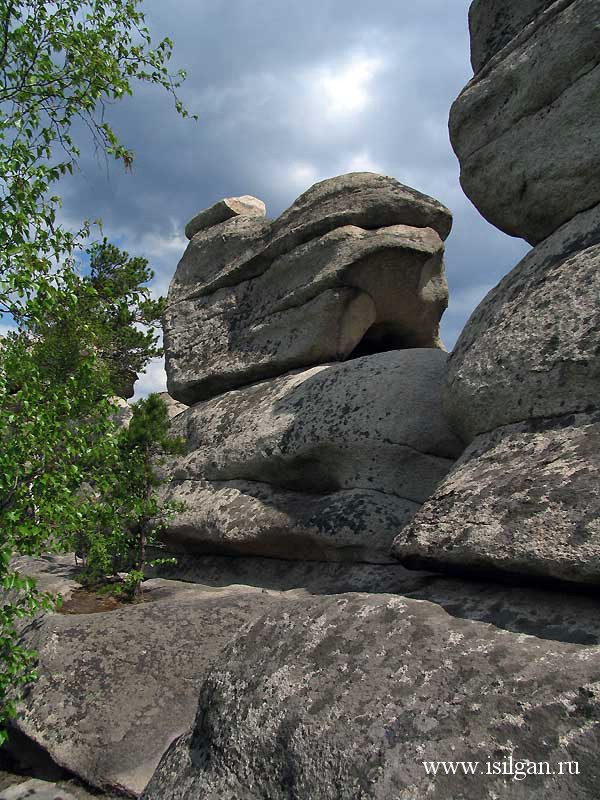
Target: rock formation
pixel 524 378
pixel 525 129
pixel 326 420
pixel 293 454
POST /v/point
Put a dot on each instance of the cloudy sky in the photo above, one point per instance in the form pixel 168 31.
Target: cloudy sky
pixel 289 93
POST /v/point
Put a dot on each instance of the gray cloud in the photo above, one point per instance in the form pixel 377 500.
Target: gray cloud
pixel 287 94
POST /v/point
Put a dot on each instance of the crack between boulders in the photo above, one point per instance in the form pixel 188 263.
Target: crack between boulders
pixel 226 483
pixel 537 418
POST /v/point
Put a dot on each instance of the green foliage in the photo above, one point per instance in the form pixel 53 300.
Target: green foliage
pixel 110 304
pixel 53 435
pixel 132 513
pixel 62 64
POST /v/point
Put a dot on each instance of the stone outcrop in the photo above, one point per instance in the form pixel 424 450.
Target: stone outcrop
pixel 115 688
pixel 346 697
pixel 354 265
pixel 523 380
pixel 493 24
pixel 532 347
pixel 525 129
pixel 523 499
pixel 298 341
pixel 327 463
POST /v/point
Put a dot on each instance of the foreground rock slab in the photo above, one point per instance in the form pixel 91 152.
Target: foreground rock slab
pixel 346 697
pixel 115 688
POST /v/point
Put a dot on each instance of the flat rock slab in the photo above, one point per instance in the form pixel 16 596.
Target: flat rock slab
pixel 318 464
pixel 525 129
pixel 346 697
pixel 532 347
pixel 115 688
pixel 523 500
pixel 253 299
pixel 244 206
pixel 349 289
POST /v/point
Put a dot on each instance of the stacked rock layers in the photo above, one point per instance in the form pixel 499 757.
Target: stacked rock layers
pixel 524 379
pixel 310 346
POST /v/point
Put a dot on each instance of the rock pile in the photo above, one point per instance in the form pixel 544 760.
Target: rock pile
pixel 524 378
pixel 310 347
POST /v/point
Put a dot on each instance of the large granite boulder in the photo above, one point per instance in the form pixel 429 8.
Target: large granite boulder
pixel 531 348
pixel 523 500
pixel 353 697
pixel 354 264
pixel 325 463
pixel 493 24
pixel 525 129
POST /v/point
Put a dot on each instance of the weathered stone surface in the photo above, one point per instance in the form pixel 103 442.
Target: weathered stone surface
pixel 253 299
pixel 493 24
pixel 525 128
pixel 244 206
pixel 364 199
pixel 345 697
pixel 244 518
pixel 523 500
pixel 532 346
pixel 115 688
pixel 36 790
pixel 344 473
pixel 174 407
pixel 351 288
pixel 297 578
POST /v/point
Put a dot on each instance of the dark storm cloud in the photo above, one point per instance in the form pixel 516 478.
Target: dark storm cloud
pixel 288 94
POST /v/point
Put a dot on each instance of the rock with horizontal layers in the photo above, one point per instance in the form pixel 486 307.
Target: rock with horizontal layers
pixel 493 24
pixel 355 261
pixel 244 206
pixel 523 500
pixel 255 518
pixel 351 289
pixel 325 463
pixel 525 129
pixel 532 347
pixel 350 697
